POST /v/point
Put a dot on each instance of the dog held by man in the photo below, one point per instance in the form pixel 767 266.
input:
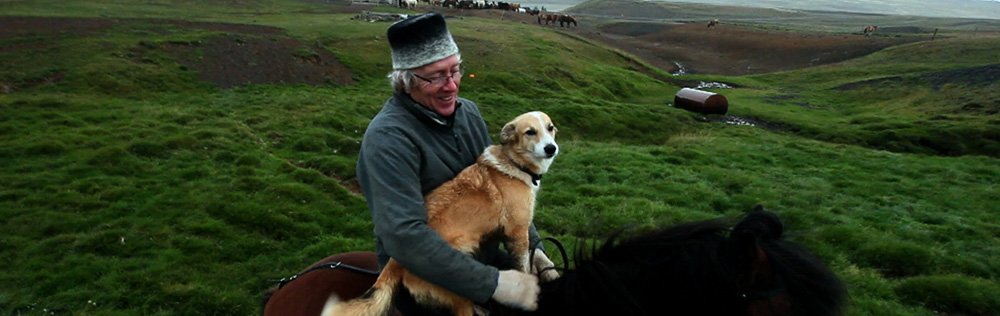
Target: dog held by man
pixel 495 194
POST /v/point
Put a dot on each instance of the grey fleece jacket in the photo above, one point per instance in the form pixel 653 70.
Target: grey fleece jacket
pixel 407 151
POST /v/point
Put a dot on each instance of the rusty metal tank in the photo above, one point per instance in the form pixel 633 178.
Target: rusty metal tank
pixel 699 101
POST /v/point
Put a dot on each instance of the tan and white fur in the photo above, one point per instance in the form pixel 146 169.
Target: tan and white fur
pixel 496 193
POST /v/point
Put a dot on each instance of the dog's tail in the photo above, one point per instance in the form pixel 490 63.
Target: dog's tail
pixel 377 301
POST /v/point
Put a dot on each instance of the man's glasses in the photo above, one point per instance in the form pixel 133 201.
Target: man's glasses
pixel 441 80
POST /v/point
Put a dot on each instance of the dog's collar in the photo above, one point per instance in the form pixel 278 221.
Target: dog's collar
pixel 534 176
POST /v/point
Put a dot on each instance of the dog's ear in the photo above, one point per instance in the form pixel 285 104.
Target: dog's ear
pixel 508 134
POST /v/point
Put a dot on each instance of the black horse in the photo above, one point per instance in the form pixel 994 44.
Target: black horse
pixel 701 268
pixel 566 19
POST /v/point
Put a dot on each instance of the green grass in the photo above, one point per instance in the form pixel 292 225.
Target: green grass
pixel 129 187
pixel 228 10
pixel 911 98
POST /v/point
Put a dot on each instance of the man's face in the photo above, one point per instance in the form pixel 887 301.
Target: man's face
pixel 434 89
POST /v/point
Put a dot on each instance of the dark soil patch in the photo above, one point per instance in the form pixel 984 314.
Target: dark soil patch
pixel 244 54
pixel 13 26
pixel 869 83
pixel 732 49
pixel 236 59
pixel 904 30
pixel 635 29
pixel 972 76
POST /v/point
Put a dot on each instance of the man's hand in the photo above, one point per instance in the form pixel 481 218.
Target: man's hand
pixel 517 289
pixel 542 263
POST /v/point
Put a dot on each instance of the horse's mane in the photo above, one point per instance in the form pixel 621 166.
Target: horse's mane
pixel 695 264
pixel 599 281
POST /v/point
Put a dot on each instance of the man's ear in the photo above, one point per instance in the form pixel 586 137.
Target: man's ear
pixel 508 134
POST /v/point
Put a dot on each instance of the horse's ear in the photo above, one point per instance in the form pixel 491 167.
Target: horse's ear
pixel 508 134
pixel 757 226
pixel 761 224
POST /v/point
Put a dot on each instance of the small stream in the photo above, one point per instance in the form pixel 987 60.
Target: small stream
pixel 712 85
pixel 680 69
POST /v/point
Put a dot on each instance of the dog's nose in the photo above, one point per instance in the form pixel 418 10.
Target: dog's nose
pixel 550 150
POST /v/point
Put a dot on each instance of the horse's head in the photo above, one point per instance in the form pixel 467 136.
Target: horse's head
pixel 701 268
pixel 777 277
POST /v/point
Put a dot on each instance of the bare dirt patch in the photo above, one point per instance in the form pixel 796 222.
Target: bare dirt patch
pixel 969 76
pixel 972 76
pixel 731 49
pixel 236 59
pixel 242 54
pixel 13 26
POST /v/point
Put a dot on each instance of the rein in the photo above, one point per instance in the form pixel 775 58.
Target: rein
pixel 338 264
pixel 326 266
pixel 562 252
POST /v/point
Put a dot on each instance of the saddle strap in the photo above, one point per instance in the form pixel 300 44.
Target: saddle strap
pixel 327 266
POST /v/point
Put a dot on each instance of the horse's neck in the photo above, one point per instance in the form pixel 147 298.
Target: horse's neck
pixel 589 289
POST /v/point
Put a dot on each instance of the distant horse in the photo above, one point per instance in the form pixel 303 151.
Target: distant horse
pixel 567 19
pixel 548 17
pixel 700 268
pixel 869 30
pixel 408 4
pixel 713 22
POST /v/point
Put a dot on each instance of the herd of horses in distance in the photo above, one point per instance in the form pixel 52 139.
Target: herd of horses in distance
pixel 564 20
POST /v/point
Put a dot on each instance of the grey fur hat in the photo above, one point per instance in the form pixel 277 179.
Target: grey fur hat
pixel 420 40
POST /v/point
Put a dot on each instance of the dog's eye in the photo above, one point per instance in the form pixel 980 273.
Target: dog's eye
pixel 530 132
pixel 552 128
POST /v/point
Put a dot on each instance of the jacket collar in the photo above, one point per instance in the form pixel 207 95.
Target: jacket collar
pixel 424 114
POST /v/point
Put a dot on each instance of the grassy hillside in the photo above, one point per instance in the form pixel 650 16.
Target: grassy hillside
pixel 911 98
pixel 132 185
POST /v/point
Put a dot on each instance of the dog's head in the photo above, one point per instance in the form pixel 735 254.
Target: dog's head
pixel 532 137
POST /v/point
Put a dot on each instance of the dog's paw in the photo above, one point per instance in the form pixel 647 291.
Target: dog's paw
pixel 482 311
pixel 549 275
